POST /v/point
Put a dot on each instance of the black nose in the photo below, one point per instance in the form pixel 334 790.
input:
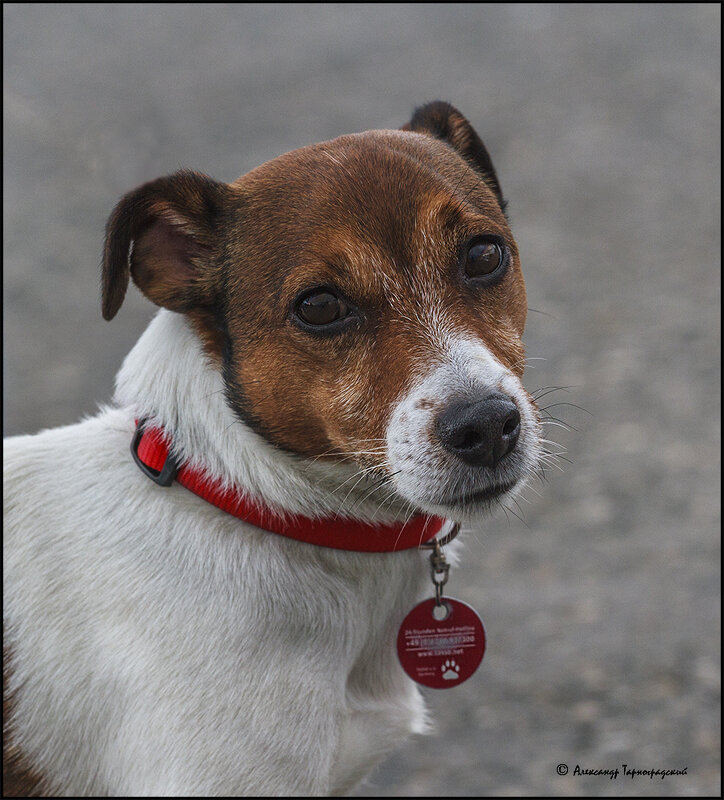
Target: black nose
pixel 480 432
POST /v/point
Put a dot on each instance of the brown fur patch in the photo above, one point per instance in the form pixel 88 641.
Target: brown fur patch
pixel 205 324
pixel 20 777
pixel 378 217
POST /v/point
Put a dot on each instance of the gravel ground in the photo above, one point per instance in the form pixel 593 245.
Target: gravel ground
pixel 602 603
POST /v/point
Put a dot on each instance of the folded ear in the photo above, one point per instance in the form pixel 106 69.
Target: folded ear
pixel 164 234
pixel 446 123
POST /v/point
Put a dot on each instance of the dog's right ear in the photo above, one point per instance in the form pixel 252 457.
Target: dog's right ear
pixel 165 234
pixel 445 122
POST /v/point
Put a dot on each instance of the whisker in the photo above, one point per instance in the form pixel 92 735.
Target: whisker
pixel 362 472
pixel 532 488
pixel 550 463
pixel 527 361
pixel 515 500
pixel 381 483
pixel 544 390
pixel 547 455
pixel 404 524
pixel 516 516
pixel 557 423
pixel 362 475
pixel 545 313
pixel 580 408
pixel 347 455
pixel 505 511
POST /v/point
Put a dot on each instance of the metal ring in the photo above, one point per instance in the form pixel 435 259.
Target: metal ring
pixel 433 543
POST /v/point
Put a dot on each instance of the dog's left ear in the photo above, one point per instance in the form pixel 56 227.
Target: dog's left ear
pixel 165 235
pixel 446 123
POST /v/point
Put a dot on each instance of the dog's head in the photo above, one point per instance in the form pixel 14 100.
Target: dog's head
pixel 364 300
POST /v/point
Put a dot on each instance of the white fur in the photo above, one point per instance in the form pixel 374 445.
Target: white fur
pixel 163 647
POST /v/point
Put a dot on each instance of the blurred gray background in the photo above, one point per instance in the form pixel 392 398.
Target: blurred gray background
pixel 602 602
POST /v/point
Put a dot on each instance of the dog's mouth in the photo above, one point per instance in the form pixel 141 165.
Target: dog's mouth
pixel 477 498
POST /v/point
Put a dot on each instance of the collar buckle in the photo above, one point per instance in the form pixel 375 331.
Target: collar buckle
pixel 163 477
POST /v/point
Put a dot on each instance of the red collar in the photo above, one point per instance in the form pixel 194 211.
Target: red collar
pixel 150 450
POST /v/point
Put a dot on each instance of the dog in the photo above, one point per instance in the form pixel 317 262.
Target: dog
pixel 335 369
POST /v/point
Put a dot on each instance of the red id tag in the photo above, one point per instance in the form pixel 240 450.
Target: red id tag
pixel 441 653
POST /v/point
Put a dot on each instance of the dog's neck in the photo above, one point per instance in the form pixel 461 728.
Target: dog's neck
pixel 168 378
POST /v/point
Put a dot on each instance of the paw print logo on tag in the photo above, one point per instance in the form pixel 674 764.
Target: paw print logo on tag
pixel 450 670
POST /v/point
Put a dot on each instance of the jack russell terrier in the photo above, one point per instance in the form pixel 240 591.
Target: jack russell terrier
pixel 336 369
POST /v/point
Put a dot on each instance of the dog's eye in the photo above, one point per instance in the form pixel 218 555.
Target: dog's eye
pixel 321 308
pixel 483 258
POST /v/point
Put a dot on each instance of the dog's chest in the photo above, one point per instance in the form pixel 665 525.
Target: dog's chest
pixel 292 666
pixel 226 661
pixel 290 659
